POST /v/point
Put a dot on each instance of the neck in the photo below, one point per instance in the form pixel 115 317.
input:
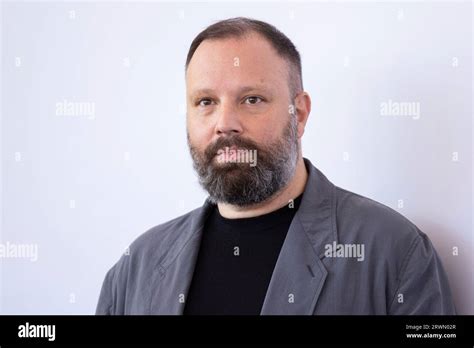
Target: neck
pixel 292 190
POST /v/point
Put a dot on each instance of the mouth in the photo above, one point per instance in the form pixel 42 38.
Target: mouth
pixel 227 155
pixel 226 149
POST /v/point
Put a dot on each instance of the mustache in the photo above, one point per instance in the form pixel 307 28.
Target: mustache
pixel 221 143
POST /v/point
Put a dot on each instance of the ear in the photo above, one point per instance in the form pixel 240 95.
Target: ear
pixel 302 110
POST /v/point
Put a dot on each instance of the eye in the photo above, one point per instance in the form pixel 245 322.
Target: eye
pixel 204 102
pixel 253 100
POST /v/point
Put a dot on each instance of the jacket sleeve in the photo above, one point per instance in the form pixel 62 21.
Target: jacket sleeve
pixel 423 287
pixel 107 294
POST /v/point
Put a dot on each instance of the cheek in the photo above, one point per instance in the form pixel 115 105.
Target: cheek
pixel 272 125
pixel 199 134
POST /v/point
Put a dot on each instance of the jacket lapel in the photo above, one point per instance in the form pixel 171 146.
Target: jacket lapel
pixel 172 277
pixel 298 276
pixel 299 273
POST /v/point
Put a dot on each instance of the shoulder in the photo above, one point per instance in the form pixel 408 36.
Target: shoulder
pixel 373 223
pixel 125 282
pixel 147 251
pixel 153 244
pixel 160 237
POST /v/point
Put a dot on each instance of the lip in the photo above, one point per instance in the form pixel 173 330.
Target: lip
pixel 229 148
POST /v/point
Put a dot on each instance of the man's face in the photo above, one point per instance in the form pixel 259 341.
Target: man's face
pixel 238 107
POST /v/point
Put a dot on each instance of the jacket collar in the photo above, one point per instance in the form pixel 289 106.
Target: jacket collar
pixel 299 273
pixel 317 211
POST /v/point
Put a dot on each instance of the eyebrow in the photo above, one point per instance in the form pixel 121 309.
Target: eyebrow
pixel 243 89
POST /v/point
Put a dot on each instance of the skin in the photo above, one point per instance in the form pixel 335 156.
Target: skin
pixel 220 104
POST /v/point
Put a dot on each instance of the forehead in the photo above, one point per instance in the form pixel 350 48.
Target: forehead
pixel 248 60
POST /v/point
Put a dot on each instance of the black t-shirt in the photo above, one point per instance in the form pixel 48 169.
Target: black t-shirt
pixel 236 261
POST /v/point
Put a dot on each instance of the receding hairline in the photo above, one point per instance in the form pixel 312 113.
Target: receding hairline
pixel 242 28
pixel 238 37
pixel 290 68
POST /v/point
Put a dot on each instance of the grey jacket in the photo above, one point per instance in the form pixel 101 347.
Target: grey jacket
pixel 318 271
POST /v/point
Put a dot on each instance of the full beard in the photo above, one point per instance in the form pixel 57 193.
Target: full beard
pixel 243 184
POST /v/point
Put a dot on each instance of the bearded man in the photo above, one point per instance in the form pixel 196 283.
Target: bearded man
pixel 274 236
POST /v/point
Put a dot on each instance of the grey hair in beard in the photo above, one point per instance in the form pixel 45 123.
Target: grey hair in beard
pixel 241 184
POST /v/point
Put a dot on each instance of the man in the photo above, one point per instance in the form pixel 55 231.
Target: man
pixel 275 236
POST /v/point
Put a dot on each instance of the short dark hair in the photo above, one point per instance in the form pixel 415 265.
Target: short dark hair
pixel 240 26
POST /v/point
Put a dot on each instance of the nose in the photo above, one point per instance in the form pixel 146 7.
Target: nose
pixel 228 122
